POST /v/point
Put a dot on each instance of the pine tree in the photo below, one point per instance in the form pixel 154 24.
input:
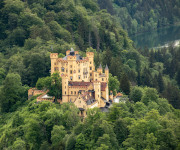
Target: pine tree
pixel 125 84
pixel 178 77
pixel 160 83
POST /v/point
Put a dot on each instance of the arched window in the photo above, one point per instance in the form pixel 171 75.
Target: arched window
pixel 62 69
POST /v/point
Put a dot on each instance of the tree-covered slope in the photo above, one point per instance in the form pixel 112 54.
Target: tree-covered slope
pixel 143 15
pixel 31 29
pixel 147 123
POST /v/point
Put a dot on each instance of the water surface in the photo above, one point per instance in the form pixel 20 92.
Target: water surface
pixel 157 38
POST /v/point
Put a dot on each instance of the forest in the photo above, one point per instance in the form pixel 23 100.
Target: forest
pixel 143 15
pixel 31 29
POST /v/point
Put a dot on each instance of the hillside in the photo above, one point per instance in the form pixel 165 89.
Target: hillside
pixel 143 15
pixel 146 124
pixel 31 29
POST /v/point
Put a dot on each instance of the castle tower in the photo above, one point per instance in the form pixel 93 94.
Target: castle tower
pixel 53 57
pixel 67 52
pixel 90 56
pixel 97 89
pixel 65 89
pixel 99 70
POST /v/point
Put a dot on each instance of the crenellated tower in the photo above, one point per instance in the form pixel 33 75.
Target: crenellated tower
pixel 97 89
pixel 54 57
pixel 65 89
pixel 90 56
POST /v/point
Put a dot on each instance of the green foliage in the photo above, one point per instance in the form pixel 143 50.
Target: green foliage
pixel 19 144
pixel 150 94
pixel 127 125
pixel 2 75
pixel 61 55
pixel 80 142
pixel 140 16
pixel 136 94
pixel 125 84
pixel 32 29
pixel 113 84
pixel 12 93
pixel 55 88
pixel 57 135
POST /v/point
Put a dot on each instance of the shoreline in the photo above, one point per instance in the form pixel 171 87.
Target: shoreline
pixel 139 33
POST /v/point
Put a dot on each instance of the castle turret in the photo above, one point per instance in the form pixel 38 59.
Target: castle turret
pixel 107 73
pixel 65 89
pixel 100 70
pixel 53 57
pixel 67 52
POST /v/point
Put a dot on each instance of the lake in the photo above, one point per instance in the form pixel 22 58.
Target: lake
pixel 157 38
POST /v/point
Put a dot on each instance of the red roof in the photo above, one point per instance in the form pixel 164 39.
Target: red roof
pixel 79 83
pixel 103 84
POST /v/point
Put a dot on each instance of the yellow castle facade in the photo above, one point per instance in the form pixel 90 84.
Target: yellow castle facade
pixel 81 83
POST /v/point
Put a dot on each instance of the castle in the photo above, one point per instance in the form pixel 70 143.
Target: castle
pixel 81 83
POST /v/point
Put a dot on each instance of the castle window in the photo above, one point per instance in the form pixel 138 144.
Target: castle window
pixel 90 74
pixel 65 87
pixel 102 79
pixel 75 92
pixel 71 77
pixel 65 93
pixel 79 70
pixel 71 92
pixel 66 70
pixel 79 77
pixel 70 71
pixel 56 68
pixel 71 66
pixel 90 68
pixel 62 69
pixel 90 62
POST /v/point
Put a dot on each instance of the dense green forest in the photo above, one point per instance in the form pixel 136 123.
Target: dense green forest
pixel 143 15
pixel 31 29
pixel 149 123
